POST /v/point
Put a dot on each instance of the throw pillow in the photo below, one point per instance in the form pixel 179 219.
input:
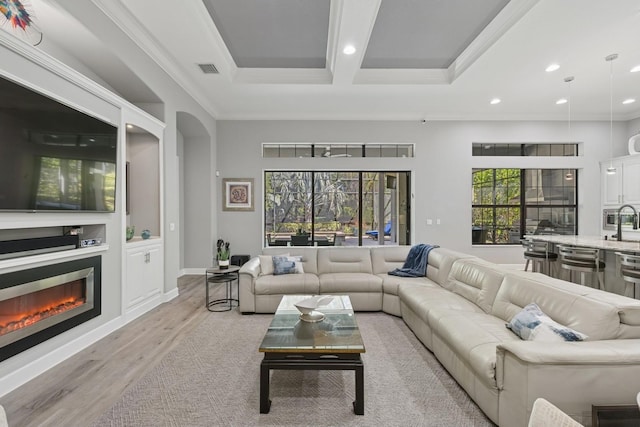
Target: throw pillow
pixel 298 261
pixel 532 324
pixel 287 265
pixel 266 264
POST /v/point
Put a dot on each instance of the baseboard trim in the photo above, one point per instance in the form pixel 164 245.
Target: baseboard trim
pixel 194 271
pixel 173 293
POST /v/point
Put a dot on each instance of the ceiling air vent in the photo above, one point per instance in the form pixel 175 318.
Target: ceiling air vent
pixel 208 68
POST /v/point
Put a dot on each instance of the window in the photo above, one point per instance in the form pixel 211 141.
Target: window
pixel 337 207
pixel 324 150
pixel 524 150
pixel 509 203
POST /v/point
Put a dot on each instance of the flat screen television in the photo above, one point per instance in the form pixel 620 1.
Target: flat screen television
pixel 53 157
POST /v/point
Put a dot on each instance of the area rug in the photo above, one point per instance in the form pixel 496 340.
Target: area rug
pixel 212 379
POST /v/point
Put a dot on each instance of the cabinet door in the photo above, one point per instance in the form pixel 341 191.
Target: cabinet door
pixel 135 286
pixel 154 271
pixel 631 181
pixel 611 184
pixel 144 274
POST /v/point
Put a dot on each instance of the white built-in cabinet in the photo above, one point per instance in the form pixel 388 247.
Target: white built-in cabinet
pixel 144 271
pixel 623 187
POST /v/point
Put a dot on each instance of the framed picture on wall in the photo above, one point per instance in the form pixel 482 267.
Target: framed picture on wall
pixel 238 194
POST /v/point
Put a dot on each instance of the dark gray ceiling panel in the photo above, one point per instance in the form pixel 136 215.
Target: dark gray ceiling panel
pixel 273 33
pixel 426 33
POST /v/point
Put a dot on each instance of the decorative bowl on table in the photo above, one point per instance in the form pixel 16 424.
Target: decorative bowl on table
pixel 307 308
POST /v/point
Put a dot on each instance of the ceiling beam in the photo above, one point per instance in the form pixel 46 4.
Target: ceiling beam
pixel 351 23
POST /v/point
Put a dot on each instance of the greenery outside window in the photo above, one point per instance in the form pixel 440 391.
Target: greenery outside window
pixel 343 207
pixel 510 203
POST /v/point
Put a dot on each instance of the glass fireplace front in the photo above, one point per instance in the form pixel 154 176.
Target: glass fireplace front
pixel 39 303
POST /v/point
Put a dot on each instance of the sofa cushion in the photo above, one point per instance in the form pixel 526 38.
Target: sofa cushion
pixel 266 263
pixel 391 284
pixel 560 300
pixel 440 263
pixel 287 265
pixel 335 283
pixel 305 283
pixel 422 298
pixel 386 258
pixel 476 280
pixel 344 260
pixel 309 255
pixel 473 337
pixel 531 324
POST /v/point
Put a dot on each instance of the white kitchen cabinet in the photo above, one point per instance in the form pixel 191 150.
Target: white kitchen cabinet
pixel 631 180
pixel 623 186
pixel 611 184
pixel 144 273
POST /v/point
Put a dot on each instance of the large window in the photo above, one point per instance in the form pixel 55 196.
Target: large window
pixel 336 207
pixel 509 203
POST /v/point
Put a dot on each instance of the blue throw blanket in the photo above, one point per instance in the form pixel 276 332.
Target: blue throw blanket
pixel 416 263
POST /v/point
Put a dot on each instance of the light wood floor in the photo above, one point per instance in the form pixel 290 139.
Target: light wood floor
pixel 77 391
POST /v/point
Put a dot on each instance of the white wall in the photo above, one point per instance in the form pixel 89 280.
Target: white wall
pixel 198 195
pixel 441 169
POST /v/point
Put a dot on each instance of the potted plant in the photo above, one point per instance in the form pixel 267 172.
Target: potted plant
pixel 223 254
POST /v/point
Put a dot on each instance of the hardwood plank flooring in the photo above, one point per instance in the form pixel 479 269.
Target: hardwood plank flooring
pixel 80 389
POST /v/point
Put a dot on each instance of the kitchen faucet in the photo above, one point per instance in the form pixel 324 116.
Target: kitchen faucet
pixel 635 220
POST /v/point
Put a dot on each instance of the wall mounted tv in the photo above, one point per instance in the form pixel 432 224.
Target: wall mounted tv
pixel 53 157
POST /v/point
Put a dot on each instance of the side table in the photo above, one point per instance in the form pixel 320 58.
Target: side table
pixel 226 277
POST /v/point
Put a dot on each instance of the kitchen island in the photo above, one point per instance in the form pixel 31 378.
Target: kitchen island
pixel 613 280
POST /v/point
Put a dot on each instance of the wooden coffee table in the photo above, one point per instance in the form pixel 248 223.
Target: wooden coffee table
pixel 332 344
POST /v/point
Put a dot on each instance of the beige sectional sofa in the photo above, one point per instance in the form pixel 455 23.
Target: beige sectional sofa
pixel 459 311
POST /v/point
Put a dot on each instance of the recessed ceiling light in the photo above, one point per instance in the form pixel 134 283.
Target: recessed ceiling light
pixel 635 69
pixel 552 67
pixel 349 49
pixel 495 101
pixel 562 101
pixel 129 126
pixel 629 101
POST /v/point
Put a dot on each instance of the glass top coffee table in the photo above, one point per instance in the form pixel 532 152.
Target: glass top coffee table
pixel 331 344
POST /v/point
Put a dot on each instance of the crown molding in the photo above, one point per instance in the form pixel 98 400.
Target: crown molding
pixel 133 28
pixel 74 77
pixel 409 76
pixel 283 76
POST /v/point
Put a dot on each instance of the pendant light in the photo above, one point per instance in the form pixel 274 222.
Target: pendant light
pixel 569 175
pixel 611 170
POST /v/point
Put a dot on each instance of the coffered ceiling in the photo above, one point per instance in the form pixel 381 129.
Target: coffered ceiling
pixel 413 59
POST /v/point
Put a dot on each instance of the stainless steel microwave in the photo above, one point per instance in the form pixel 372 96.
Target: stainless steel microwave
pixel 610 219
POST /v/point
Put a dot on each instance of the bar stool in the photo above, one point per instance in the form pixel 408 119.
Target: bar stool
pixel 541 258
pixel 630 272
pixel 582 260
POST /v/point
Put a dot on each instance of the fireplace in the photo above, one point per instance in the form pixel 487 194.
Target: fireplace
pixel 39 303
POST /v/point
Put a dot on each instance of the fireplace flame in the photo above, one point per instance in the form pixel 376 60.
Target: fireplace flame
pixel 24 320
